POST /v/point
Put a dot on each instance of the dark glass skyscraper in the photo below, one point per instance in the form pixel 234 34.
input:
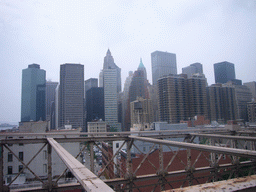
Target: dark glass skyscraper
pixel 71 95
pixel 33 94
pixel 89 83
pixel 95 104
pixel 224 72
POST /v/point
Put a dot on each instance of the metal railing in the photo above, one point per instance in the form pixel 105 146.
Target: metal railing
pixel 219 154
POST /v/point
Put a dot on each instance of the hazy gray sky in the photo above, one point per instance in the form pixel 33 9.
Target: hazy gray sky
pixel 53 32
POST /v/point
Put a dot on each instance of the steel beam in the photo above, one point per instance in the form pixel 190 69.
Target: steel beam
pixel 118 181
pixel 86 178
pixel 49 158
pixel 216 149
pixel 217 136
pixel 129 164
pixel 116 134
pixel 22 141
pixel 24 167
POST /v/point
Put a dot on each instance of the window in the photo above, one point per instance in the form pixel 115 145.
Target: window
pixel 9 157
pixel 45 168
pixel 9 170
pixel 21 156
pixel 10 138
pixel 20 168
pixel 45 154
pixel 9 179
pixel 117 145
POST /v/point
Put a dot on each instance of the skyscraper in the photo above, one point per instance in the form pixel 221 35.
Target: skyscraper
pixel 224 72
pixel 89 83
pixel 71 95
pixel 50 97
pixel 163 63
pixel 243 96
pixel 50 102
pixel 110 64
pixel 221 103
pixel 197 96
pixel 252 87
pixel 251 110
pixel 125 103
pixel 181 98
pixel 193 69
pixel 95 104
pixel 138 88
pixel 111 75
pixel 229 103
pixel 173 98
pixel 33 94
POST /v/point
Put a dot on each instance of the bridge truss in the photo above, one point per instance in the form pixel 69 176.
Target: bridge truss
pixel 229 154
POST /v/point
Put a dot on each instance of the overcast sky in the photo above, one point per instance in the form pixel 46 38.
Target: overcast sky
pixel 53 32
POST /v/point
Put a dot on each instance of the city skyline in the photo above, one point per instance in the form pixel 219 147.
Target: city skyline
pixel 50 34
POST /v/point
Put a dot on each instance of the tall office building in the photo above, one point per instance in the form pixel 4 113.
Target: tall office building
pixel 243 96
pixel 50 102
pixel 195 68
pixel 126 103
pixel 197 96
pixel 142 68
pixel 180 98
pixel 110 64
pixel 138 88
pixel 152 89
pixel 251 110
pixel 229 103
pixel 89 83
pixel 139 84
pixel 71 95
pixel 252 87
pixel 224 72
pixel 215 102
pixel 56 111
pixel 173 98
pixel 33 94
pixel 112 86
pixel 50 97
pixel 221 103
pixel 95 104
pixel 163 63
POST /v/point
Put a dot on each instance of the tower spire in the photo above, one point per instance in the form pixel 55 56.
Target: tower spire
pixel 141 64
pixel 108 52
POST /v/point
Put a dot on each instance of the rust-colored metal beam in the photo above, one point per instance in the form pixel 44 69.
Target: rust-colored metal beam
pixel 218 136
pixel 225 150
